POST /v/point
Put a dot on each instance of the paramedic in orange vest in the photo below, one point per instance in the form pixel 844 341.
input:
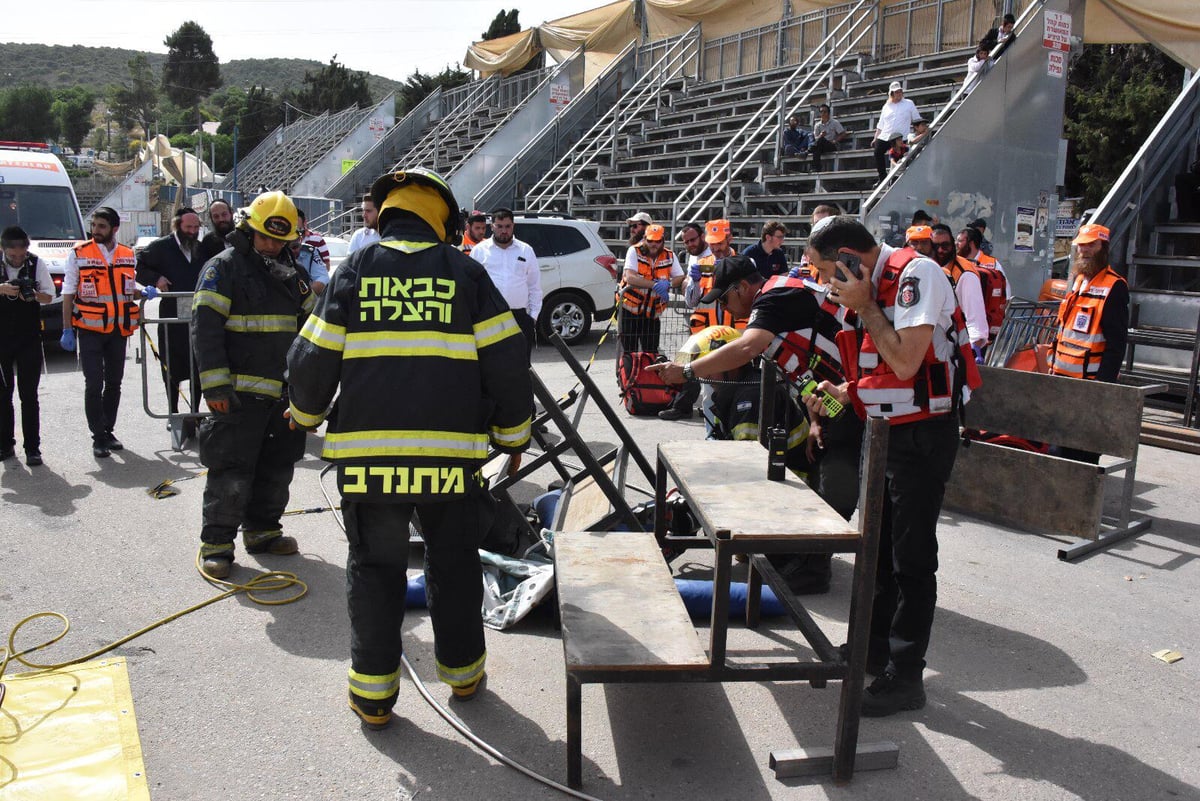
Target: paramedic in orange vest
pixel 100 307
pixel 699 257
pixel 475 232
pixel 912 364
pixel 992 277
pixel 644 291
pixel 1093 320
pixel 966 282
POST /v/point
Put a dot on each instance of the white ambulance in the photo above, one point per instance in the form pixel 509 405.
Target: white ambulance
pixel 36 194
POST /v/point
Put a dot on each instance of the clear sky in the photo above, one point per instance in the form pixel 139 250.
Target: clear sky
pixel 385 37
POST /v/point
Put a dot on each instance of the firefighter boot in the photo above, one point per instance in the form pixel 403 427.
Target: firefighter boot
pixel 270 542
pixel 217 567
pixel 373 718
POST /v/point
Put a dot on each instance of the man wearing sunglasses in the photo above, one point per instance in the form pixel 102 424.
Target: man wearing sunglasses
pixel 963 276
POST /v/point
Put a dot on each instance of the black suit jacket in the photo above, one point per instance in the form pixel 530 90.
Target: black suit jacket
pixel 163 258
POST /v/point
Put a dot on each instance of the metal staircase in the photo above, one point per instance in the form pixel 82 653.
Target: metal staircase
pixel 558 187
pixel 762 129
pixel 506 187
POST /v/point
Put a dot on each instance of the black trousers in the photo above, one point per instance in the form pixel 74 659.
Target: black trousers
pixel 920 458
pixel 376 583
pixel 638 333
pixel 528 328
pixel 879 149
pixel 837 467
pixel 102 357
pixel 20 368
pixel 250 454
pixel 820 147
pixel 689 393
pixel 174 349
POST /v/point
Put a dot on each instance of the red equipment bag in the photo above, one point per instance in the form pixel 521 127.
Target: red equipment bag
pixel 644 392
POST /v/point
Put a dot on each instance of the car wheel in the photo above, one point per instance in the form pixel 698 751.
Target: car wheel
pixel 568 314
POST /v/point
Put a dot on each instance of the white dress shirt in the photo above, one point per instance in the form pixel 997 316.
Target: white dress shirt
pixel 361 238
pixel 41 274
pixel 514 271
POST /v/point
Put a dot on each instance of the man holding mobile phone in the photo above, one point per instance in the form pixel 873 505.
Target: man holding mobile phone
pixel 914 367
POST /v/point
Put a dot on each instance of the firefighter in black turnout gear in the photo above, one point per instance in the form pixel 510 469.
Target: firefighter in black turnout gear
pixel 432 368
pixel 246 311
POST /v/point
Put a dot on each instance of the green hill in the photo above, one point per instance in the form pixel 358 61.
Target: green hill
pixel 59 66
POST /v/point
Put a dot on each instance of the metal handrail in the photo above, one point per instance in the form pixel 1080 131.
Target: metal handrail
pixel 604 133
pixel 1121 206
pixel 938 121
pixel 552 129
pixel 496 128
pixel 428 145
pixel 750 137
pixel 377 153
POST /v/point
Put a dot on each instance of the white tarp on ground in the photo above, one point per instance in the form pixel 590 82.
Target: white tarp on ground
pixel 1172 25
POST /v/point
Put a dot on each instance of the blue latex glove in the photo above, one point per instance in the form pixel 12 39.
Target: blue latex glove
pixel 662 288
pixel 794 272
pixel 67 340
pixel 978 354
pixel 150 292
pixel 694 273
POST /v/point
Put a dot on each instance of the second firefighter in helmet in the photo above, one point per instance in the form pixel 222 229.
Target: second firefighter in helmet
pixel 246 311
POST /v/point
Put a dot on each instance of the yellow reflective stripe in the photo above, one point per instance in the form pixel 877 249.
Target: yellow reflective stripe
pixel 517 435
pixel 494 329
pixel 257 385
pixel 261 323
pixel 463 676
pixel 304 418
pixel 310 302
pixel 407 247
pixel 323 334
pixel 214 300
pixel 215 378
pixel 432 444
pixel 745 431
pixel 368 344
pixel 374 688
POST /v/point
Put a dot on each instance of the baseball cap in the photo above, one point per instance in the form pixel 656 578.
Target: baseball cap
pixel 895 87
pixel 1090 233
pixel 918 232
pixel 728 272
pixel 641 217
pixel 716 231
pixel 655 232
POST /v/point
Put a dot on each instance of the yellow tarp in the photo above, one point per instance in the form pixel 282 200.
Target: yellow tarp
pixel 1172 25
pixel 71 734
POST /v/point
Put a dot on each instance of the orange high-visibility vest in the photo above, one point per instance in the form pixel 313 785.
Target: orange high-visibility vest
pixel 643 302
pixel 1080 342
pixel 105 299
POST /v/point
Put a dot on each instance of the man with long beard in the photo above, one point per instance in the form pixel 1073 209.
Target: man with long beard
pixel 172 264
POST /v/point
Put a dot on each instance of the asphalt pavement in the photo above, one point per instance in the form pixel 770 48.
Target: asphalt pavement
pixel 1041 682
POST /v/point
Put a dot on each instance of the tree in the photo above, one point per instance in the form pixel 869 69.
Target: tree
pixel 135 103
pixel 416 87
pixel 332 88
pixel 503 25
pixel 1116 94
pixel 191 71
pixel 25 114
pixel 261 113
pixel 72 109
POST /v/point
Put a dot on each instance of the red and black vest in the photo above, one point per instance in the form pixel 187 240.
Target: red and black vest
pixel 939 387
pixel 811 353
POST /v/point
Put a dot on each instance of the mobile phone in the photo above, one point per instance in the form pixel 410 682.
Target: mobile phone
pixel 852 263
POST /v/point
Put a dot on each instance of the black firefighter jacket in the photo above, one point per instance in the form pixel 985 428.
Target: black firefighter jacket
pixel 432 367
pixel 245 313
